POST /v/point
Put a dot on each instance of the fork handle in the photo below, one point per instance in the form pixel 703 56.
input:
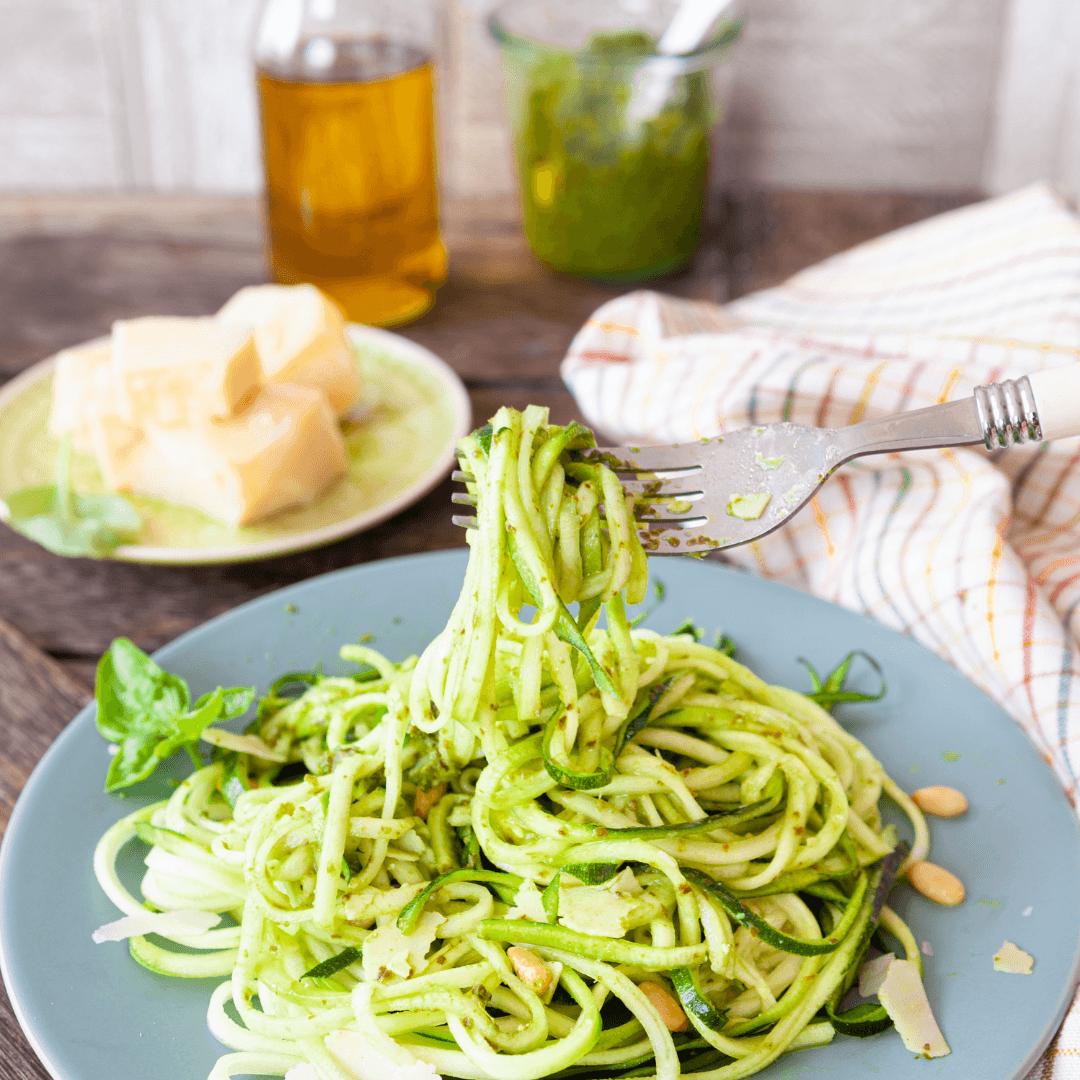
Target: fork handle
pixel 1056 394
pixel 1045 405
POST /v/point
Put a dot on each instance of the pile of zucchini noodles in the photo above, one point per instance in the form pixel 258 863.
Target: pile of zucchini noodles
pixel 629 807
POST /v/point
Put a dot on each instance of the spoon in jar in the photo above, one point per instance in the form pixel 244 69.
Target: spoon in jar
pixel 655 81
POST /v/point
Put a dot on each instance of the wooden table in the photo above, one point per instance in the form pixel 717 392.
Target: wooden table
pixel 69 266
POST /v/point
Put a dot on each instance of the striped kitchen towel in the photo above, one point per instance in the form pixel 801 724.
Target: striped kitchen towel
pixel 976 556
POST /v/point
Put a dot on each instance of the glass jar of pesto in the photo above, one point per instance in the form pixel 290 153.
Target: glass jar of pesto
pixel 612 139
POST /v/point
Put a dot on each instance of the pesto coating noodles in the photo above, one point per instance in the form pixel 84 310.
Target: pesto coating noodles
pixel 495 859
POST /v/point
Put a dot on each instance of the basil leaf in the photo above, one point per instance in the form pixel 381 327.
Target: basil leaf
pixel 144 710
pixel 77 526
pixel 688 627
pixel 234 778
pixel 189 725
pixel 236 701
pixel 722 643
pixel 31 502
pixel 831 692
pixel 133 693
pixel 483 437
pixel 137 757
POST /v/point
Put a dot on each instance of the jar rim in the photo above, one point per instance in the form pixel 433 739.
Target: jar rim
pixel 705 55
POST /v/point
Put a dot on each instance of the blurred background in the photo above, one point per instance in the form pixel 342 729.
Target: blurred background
pixel 898 95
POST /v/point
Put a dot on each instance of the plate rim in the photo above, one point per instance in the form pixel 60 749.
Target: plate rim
pixel 1050 1027
pixel 402 348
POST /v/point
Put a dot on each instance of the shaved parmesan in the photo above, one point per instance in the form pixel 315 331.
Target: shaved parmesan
pixel 1013 960
pixel 244 744
pixel 420 940
pixel 925 949
pixel 625 884
pixel 872 974
pixel 528 903
pixel 369 903
pixel 303 1071
pixel 385 953
pixel 904 998
pixel 364 1061
pixel 592 909
pixel 368 1053
pixel 166 923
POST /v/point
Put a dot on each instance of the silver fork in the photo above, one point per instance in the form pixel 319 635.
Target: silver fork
pixel 718 493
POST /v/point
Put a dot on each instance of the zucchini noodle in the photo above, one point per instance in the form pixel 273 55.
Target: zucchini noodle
pixel 489 860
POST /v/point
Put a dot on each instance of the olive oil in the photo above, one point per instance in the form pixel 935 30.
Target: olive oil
pixel 349 147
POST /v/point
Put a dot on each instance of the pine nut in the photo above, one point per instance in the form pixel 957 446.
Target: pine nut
pixel 936 884
pixel 530 969
pixel 670 1010
pixel 940 801
pixel 426 799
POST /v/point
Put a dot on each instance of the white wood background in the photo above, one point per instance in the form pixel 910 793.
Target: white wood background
pixel 158 95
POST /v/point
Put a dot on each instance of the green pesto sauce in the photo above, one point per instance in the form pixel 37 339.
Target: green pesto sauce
pixel 602 200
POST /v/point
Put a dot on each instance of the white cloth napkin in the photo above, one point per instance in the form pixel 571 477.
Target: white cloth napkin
pixel 975 555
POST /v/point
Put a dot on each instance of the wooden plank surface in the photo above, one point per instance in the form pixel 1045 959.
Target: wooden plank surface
pixel 502 321
pixel 69 266
pixel 37 699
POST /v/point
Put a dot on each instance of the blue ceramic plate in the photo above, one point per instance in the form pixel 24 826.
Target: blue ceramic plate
pixel 91 1012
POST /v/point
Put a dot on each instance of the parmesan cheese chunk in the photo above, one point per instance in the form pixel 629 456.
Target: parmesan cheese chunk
pixel 300 336
pixel 904 998
pixel 592 909
pixel 369 903
pixel 173 371
pixel 282 451
pixel 365 1061
pixel 625 883
pixel 81 388
pixel 1013 960
pixel 167 923
pixel 872 974
pixel 423 937
pixel 385 952
pixel 528 903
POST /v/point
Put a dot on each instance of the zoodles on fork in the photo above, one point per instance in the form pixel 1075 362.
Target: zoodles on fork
pixel 542 847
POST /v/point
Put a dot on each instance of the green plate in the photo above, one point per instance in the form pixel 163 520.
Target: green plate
pixel 412 411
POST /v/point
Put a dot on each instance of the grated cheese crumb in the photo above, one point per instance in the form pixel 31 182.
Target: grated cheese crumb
pixel 1013 960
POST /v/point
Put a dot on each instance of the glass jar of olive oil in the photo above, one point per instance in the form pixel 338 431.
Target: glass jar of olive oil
pixel 346 94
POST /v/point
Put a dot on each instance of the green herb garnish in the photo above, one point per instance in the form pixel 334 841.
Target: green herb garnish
pixel 148 713
pixel 78 526
pixel 831 692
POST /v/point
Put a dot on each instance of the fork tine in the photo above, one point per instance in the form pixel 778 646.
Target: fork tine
pixel 681 487
pixel 647 458
pixel 653 516
pixel 669 513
